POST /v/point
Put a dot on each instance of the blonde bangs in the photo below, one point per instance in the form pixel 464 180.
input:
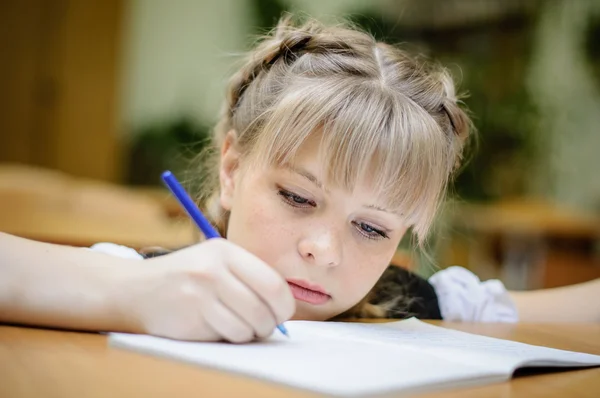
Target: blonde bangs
pixel 368 133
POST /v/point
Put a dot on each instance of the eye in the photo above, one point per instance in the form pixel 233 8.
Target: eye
pixel 295 200
pixel 369 231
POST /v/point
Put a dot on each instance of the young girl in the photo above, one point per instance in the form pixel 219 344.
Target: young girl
pixel 331 145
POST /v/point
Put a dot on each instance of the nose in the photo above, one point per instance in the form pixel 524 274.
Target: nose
pixel 322 247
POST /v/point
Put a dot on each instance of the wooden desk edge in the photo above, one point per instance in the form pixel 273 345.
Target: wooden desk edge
pixel 88 356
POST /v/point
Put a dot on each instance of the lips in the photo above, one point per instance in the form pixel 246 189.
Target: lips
pixel 308 292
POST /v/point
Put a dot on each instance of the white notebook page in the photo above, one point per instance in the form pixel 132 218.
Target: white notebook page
pixel 351 359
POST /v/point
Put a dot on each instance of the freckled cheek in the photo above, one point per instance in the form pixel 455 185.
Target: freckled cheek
pixel 264 230
pixel 359 275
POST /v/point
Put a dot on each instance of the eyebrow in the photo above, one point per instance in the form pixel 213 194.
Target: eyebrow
pixel 306 174
pixel 309 176
pixel 375 207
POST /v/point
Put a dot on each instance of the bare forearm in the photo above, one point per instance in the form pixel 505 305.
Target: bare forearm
pixel 58 286
pixel 575 303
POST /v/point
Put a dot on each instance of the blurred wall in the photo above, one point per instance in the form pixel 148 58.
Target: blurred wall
pixel 333 8
pixel 59 77
pixel 177 55
pixel 563 84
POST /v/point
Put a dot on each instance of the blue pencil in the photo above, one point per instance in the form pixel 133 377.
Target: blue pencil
pixel 195 214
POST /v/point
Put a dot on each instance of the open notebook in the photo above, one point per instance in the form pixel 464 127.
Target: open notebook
pixel 358 359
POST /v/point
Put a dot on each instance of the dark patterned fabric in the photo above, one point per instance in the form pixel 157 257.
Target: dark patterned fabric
pixel 410 294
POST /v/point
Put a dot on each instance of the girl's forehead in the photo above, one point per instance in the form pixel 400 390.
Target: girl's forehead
pixel 311 148
pixel 313 164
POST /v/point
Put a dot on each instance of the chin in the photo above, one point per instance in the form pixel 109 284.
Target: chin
pixel 309 312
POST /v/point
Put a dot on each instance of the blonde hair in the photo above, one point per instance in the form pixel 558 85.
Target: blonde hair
pixel 378 110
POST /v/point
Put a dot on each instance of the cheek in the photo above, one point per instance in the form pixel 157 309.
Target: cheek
pixel 258 225
pixel 361 272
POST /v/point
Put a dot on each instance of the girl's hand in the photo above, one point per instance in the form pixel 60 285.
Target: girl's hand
pixel 211 291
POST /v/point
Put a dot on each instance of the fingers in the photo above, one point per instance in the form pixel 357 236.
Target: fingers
pixel 227 323
pixel 242 301
pixel 237 296
pixel 264 281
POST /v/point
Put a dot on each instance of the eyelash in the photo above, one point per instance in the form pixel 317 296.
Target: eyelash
pixel 374 233
pixel 366 230
pixel 295 200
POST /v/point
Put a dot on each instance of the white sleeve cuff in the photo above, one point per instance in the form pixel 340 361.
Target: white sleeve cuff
pixel 462 297
pixel 116 250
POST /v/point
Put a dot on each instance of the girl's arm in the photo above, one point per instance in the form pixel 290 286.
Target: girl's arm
pixel 59 286
pixel 210 291
pixel 575 303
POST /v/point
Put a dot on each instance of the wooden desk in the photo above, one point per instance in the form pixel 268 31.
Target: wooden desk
pixel 51 206
pixel 47 363
pixel 527 243
pixel 69 229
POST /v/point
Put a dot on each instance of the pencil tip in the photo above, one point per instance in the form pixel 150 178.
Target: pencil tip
pixel 283 330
